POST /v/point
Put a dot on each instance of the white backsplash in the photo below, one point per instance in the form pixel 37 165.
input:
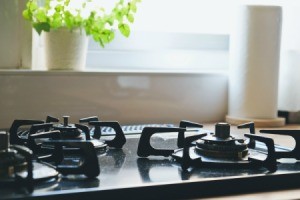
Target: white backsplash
pixel 129 98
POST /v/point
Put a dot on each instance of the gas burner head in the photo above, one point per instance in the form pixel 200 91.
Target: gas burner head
pixel 221 144
pixel 68 131
pixel 221 135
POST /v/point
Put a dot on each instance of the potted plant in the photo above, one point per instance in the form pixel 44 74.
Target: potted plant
pixel 65 25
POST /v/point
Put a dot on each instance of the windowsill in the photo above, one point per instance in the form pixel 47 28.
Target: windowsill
pixel 109 71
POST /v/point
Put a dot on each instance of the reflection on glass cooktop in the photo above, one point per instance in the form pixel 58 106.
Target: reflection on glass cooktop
pixel 125 175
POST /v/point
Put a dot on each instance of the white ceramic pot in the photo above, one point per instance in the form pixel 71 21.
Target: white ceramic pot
pixel 65 49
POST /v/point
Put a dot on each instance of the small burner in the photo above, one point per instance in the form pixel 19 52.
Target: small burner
pixel 68 131
pixel 221 145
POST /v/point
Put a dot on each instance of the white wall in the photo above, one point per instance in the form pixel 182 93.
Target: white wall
pixel 15 36
pixel 9 34
pixel 127 97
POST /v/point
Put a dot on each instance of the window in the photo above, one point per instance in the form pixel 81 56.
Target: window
pixel 171 35
pixel 175 35
pixel 168 35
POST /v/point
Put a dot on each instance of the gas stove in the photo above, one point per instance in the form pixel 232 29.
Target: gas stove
pixel 158 162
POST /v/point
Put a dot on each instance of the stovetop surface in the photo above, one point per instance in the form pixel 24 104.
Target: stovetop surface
pixel 124 174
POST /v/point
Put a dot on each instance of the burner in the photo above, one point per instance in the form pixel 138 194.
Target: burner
pixel 218 149
pixel 70 148
pixel 18 169
pixel 85 158
pixel 221 144
pixel 66 131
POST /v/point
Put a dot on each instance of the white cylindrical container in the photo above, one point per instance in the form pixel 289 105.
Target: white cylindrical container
pixel 254 66
pixel 65 49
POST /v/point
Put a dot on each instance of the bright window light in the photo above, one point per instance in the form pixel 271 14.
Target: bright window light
pixel 172 35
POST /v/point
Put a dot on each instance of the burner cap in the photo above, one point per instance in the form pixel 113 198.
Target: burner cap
pixel 221 135
pixel 68 131
pixel 221 145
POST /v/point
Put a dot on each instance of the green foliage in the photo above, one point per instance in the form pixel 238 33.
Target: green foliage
pixel 98 24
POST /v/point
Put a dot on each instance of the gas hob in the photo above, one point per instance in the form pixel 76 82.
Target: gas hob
pixel 126 172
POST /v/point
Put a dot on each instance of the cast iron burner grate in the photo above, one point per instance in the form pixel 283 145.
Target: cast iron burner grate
pixel 220 149
pixel 20 167
pixel 68 132
pixel 69 147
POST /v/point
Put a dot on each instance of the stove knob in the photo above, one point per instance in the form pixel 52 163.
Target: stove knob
pixel 222 130
pixel 66 120
pixel 4 141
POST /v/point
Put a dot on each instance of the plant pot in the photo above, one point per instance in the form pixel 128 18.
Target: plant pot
pixel 65 49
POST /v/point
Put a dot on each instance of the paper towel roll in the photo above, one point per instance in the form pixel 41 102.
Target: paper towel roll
pixel 254 62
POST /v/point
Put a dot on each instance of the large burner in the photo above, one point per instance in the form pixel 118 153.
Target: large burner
pixel 221 145
pixel 218 149
pixel 88 129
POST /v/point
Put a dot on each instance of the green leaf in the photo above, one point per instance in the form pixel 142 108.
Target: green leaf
pixel 130 17
pixel 119 16
pixel 111 36
pixel 56 21
pixel 26 14
pixel 107 36
pixel 39 27
pixel 58 8
pixel 110 21
pixel 32 5
pixel 98 39
pixel 124 29
pixel 41 15
pixel 133 7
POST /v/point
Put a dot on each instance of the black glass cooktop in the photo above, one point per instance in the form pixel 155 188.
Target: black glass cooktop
pixel 125 175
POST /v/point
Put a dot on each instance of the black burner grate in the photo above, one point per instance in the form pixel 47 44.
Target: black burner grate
pixel 219 149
